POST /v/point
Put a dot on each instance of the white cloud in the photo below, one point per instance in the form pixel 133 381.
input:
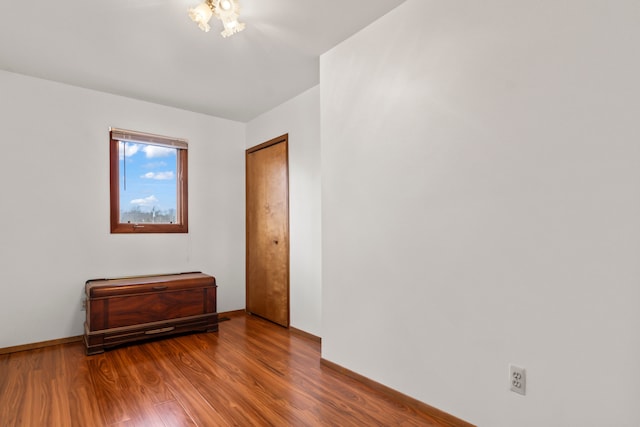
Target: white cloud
pixel 131 149
pixel 147 201
pixel 154 165
pixel 153 151
pixel 158 175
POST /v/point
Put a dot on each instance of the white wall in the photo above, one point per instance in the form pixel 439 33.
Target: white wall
pixel 55 204
pixel 300 118
pixel 481 206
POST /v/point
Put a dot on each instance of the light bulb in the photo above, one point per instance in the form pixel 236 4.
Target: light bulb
pixel 225 4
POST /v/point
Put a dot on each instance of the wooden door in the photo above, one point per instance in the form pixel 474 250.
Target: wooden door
pixel 268 230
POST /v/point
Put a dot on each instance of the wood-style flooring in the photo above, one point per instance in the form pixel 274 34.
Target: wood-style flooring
pixel 250 373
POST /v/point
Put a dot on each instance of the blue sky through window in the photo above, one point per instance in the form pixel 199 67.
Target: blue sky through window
pixel 148 182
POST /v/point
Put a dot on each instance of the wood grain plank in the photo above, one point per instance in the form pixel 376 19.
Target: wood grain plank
pixel 144 374
pixel 140 401
pixel 44 399
pixel 201 378
pixel 83 405
pixel 15 372
pixel 198 409
pixel 110 397
pixel 173 414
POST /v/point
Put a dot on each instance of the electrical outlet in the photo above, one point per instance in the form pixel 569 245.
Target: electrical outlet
pixel 517 379
pixel 84 305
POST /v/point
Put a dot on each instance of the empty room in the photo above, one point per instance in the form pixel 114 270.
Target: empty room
pixel 304 213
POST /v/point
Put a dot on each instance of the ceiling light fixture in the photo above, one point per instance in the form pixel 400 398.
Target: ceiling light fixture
pixel 227 11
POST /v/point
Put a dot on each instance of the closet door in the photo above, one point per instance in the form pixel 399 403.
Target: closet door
pixel 267 230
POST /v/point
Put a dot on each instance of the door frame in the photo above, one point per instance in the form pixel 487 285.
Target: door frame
pixel 282 139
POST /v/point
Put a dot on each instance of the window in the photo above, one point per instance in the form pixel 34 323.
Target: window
pixel 148 183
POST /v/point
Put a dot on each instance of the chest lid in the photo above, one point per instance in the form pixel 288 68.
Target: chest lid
pixel 101 288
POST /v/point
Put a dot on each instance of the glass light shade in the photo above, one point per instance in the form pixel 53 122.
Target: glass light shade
pixel 232 27
pixel 201 15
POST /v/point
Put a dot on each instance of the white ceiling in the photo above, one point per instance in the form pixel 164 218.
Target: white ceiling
pixel 151 50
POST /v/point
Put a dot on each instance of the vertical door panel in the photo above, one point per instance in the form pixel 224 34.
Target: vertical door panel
pixel 268 231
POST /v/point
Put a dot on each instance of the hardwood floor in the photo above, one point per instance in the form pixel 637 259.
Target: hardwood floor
pixel 250 373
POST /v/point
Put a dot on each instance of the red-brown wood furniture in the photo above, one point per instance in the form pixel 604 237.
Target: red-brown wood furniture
pixel 131 309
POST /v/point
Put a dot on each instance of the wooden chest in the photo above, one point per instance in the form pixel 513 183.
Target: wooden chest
pixel 131 309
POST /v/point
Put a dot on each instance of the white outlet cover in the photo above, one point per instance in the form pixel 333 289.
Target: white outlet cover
pixel 517 379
